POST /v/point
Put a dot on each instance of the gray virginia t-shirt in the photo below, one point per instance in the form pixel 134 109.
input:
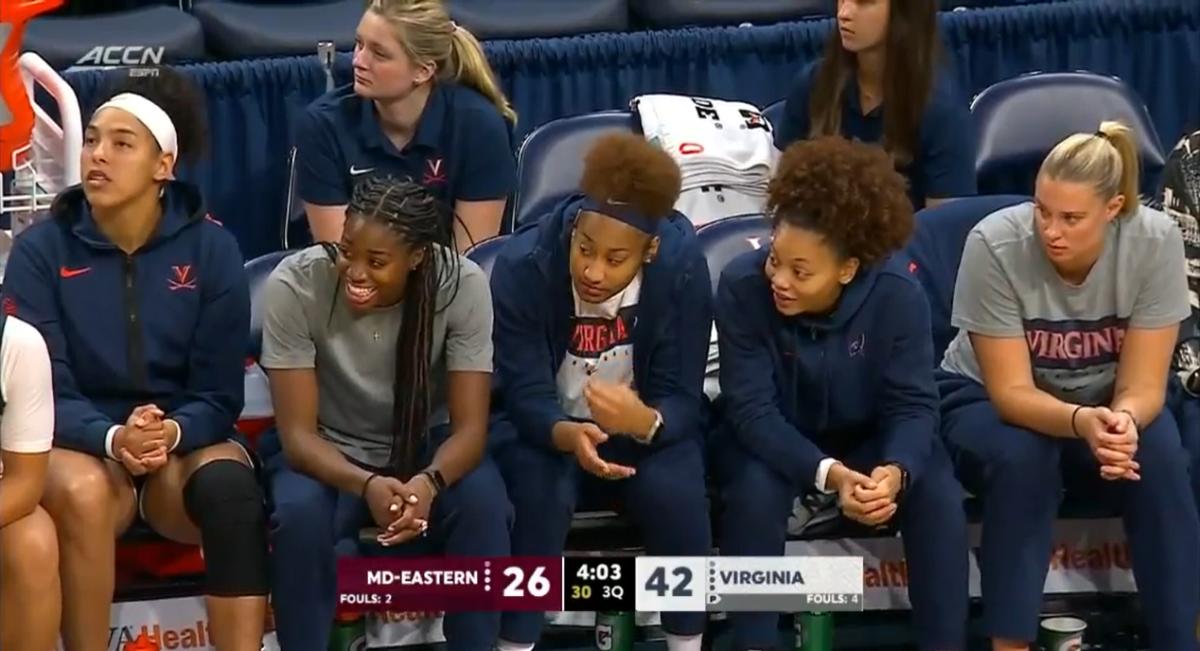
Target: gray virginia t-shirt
pixel 1008 288
pixel 307 324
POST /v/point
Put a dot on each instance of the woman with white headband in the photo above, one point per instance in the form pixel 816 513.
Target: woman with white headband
pixel 143 303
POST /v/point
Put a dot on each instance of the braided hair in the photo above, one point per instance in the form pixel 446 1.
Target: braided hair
pixel 419 219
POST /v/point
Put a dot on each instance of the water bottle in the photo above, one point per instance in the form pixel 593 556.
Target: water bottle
pixel 326 54
pixel 814 632
pixel 349 633
pixel 614 631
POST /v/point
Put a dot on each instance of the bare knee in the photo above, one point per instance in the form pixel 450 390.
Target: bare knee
pixel 84 497
pixel 29 554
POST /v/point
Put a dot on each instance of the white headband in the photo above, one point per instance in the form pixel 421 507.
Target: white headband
pixel 151 115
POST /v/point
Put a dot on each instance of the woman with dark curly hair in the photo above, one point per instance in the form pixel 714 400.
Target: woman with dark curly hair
pixel 603 313
pixel 827 371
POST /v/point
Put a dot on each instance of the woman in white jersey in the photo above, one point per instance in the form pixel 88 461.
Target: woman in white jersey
pixel 1068 309
pixel 29 586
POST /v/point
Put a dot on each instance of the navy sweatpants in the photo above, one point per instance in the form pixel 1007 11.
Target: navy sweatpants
pixel 665 499
pixel 312 524
pixel 1020 476
pixel 757 502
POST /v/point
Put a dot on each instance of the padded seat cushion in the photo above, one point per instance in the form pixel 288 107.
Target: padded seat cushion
pixel 236 30
pixel 724 240
pixel 499 19
pixel 64 40
pixel 258 271
pixel 550 162
pixel 1020 120
pixel 678 13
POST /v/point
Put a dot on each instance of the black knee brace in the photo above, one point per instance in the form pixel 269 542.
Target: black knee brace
pixel 225 502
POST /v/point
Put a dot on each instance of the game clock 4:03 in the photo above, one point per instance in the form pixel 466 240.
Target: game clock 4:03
pixel 598 583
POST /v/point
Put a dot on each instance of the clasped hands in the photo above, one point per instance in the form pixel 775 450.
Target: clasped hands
pixel 615 408
pixel 869 500
pixel 400 509
pixel 1113 439
pixel 144 442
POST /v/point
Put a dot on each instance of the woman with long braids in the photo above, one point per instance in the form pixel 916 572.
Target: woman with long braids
pixel 379 353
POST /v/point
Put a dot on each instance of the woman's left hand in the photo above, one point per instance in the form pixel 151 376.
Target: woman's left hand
pixel 414 509
pixel 617 409
pixel 879 503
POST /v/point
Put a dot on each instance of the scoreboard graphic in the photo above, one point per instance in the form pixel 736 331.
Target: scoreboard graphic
pixel 603 583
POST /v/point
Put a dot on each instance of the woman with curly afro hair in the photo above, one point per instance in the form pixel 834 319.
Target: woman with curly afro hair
pixel 603 313
pixel 827 377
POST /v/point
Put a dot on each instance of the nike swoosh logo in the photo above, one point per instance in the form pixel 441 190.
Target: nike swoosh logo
pixel 354 171
pixel 71 273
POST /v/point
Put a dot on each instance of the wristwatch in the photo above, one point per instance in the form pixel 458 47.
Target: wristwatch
pixel 658 423
pixel 435 476
pixel 903 478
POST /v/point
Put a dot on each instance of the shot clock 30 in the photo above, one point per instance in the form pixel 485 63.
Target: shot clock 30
pixel 598 583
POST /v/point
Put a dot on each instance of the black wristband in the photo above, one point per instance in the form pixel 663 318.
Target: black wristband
pixel 1074 427
pixel 435 476
pixel 363 493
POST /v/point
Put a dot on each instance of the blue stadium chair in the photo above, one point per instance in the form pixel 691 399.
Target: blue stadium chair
pixel 1021 119
pixel 725 239
pixel 493 19
pixel 257 272
pixel 774 114
pixel 550 161
pixel 262 28
pixel 936 249
pixel 484 254
pixel 131 37
pixel 680 13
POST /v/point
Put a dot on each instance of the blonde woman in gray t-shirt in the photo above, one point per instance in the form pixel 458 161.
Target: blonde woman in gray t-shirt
pixel 1068 309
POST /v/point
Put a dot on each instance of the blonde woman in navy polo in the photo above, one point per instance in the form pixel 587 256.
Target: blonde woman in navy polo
pixel 424 105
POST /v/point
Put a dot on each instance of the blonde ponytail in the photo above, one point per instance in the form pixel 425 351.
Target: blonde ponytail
pixel 1122 139
pixel 1106 160
pixel 427 35
pixel 470 67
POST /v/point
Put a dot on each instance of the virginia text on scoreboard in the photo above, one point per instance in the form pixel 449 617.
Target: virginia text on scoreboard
pixel 608 583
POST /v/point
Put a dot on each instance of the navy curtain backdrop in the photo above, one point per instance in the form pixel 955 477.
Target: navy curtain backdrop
pixel 1152 44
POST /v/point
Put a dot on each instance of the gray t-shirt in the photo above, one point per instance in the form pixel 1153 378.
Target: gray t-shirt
pixel 1008 288
pixel 307 324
